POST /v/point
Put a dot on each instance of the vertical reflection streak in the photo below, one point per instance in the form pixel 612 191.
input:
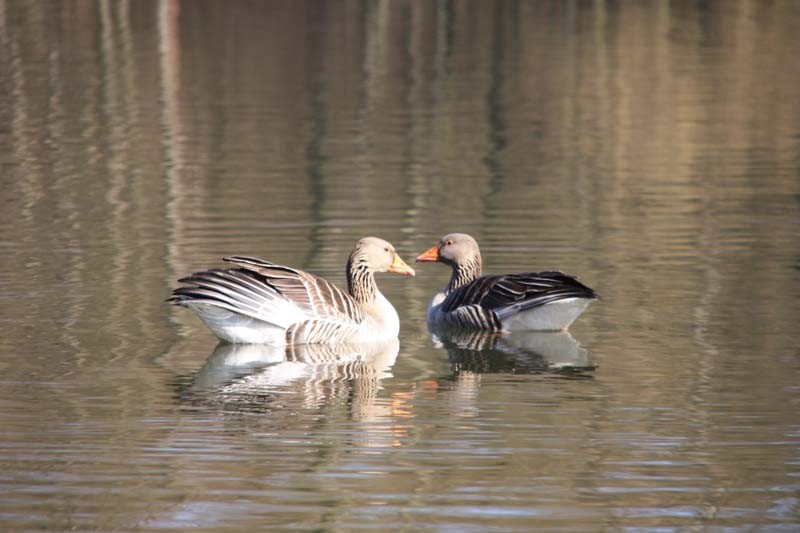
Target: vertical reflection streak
pixel 417 139
pixel 22 129
pixel 315 152
pixel 117 109
pixel 70 204
pixel 496 120
pixel 172 127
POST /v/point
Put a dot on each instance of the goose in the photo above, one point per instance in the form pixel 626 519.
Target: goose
pixel 260 302
pixel 546 301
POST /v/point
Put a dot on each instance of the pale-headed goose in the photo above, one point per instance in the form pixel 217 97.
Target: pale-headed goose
pixel 264 303
pixel 548 301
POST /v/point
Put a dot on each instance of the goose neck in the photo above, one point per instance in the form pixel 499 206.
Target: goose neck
pixel 360 281
pixel 464 273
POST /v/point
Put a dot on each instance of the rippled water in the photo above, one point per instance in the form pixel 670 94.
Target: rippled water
pixel 651 148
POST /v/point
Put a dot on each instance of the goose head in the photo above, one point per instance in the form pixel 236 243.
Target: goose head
pixel 461 253
pixel 377 255
pixel 455 250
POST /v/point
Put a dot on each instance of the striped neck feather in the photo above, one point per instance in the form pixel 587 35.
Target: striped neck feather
pixel 464 273
pixel 360 280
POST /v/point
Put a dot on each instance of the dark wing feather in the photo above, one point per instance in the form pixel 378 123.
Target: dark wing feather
pixel 312 294
pixel 506 294
pixel 236 290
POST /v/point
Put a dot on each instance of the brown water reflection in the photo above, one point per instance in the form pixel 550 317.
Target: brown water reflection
pixel 651 148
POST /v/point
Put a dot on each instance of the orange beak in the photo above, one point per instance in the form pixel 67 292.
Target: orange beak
pixel 400 267
pixel 429 256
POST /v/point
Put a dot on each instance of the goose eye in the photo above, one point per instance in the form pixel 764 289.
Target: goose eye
pixel 386 249
pixel 448 243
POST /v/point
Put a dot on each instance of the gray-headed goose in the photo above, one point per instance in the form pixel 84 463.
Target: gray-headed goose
pixel 263 303
pixel 547 301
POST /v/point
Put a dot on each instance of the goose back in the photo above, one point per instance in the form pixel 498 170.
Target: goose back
pixel 312 294
pixel 262 302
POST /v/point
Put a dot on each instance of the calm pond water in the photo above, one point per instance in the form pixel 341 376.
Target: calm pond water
pixel 652 148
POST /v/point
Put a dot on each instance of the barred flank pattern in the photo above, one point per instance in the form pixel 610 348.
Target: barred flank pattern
pixel 313 331
pixel 475 316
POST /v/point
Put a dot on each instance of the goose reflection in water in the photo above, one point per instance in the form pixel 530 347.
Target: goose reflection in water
pixel 518 352
pixel 261 377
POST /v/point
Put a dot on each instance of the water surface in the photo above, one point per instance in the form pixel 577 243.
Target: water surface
pixel 652 149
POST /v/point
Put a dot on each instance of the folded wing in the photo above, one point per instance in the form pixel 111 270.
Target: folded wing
pixel 508 294
pixel 274 294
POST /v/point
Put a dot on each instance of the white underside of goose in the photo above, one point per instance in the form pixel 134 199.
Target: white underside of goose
pixel 237 328
pixel 380 323
pixel 555 316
